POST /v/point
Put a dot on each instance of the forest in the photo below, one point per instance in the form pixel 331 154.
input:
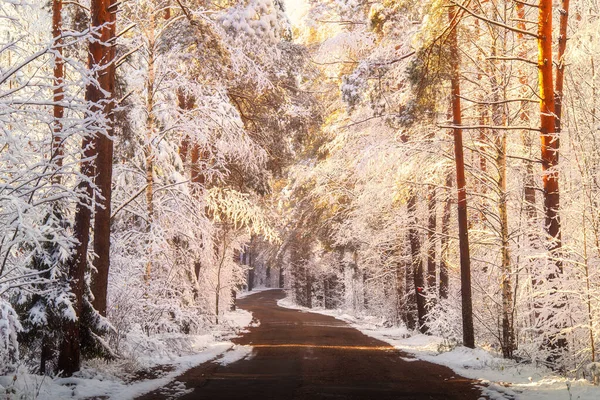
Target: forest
pixel 433 164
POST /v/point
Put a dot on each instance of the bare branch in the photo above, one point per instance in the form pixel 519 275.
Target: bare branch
pixel 496 127
pixel 517 100
pixel 489 21
pixel 512 59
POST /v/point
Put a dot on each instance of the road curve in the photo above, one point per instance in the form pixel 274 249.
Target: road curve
pixel 300 355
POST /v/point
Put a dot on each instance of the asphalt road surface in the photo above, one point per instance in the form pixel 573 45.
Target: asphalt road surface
pixel 300 355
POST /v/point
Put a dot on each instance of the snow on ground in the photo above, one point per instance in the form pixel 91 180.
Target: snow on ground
pixel 501 379
pixel 237 353
pixel 238 321
pixel 161 359
pixel 255 290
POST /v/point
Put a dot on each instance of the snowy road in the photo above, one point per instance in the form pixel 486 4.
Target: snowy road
pixel 300 355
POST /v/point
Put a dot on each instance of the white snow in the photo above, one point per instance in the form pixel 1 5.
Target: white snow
pixel 106 379
pixel 255 290
pixel 239 320
pixel 235 354
pixel 501 378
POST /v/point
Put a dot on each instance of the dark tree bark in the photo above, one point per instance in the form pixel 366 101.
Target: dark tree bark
pixel 308 286
pixel 410 302
pixel 101 54
pixel 250 268
pixel 56 150
pixel 184 102
pixel 444 281
pixel 281 277
pixel 196 157
pixel 268 276
pixel 431 236
pixel 417 263
pixel 104 14
pixel 463 228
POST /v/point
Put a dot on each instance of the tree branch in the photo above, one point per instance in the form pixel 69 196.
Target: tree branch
pixel 500 24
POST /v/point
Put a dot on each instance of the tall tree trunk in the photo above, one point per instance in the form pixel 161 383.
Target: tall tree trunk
pixel 56 148
pixel 402 309
pixel 219 271
pixel 105 16
pixel 500 116
pixel 100 58
pixel 410 302
pixel 549 139
pixel 308 285
pixel 417 263
pixel 508 335
pixel 550 144
pixel 281 277
pixel 586 269
pixel 445 231
pixel 529 190
pixel 560 69
pixel 59 93
pixel 148 149
pixel 250 256
pixel 431 228
pixel 482 111
pixel 463 228
pixel 185 103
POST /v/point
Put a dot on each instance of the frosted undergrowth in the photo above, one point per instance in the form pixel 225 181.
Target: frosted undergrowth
pixel 160 358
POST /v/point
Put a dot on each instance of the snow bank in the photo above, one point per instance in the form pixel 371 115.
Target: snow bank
pixel 501 379
pixel 255 290
pixel 159 360
pixel 237 353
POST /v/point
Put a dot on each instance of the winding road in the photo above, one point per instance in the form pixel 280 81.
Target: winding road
pixel 300 355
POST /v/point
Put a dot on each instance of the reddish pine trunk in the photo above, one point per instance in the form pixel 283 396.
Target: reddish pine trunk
pixel 560 70
pixel 550 110
pixel 463 229
pixel 550 141
pixel 103 13
pixel 69 359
